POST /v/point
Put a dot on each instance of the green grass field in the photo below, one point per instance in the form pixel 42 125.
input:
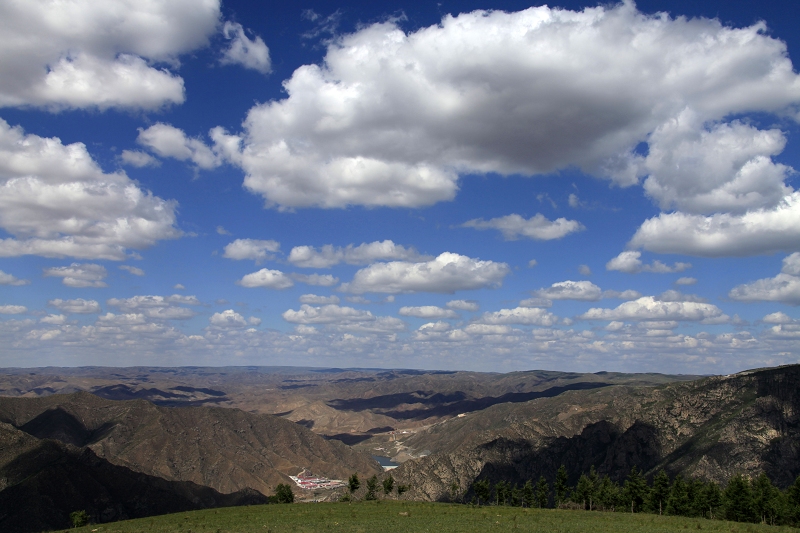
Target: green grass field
pixel 414 517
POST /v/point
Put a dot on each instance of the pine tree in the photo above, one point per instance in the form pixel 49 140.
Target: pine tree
pixel 678 502
pixel 372 488
pixel 527 494
pixel 482 490
pixel 561 486
pixel 659 493
pixel 353 483
pixel 542 492
pixel 713 499
pixel 607 494
pixel 738 500
pixel 584 492
pixel 766 499
pixel 388 485
pixel 636 491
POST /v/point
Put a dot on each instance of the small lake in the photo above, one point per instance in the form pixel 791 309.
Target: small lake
pixel 385 462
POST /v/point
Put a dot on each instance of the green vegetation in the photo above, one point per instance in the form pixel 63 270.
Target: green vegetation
pixel 412 517
pixel 283 493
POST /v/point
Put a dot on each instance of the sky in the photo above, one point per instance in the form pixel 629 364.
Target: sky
pixel 490 186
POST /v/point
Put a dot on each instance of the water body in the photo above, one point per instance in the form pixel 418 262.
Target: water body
pixel 385 462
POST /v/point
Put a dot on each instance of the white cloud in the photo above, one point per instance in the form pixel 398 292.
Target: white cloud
pixel 254 249
pixel 571 290
pixel 13 309
pixel 222 231
pixel 126 319
pixel 179 287
pixel 532 263
pixel 227 319
pixel 758 231
pixel 487 329
pixel 428 311
pixel 313 299
pixel 157 307
pixel 78 306
pixel 785 287
pixel 56 320
pixel 536 302
pixel 463 305
pixel 363 254
pixel 648 308
pixel 56 201
pixel 537 227
pixel 624 295
pixel 686 281
pixel 319 280
pixel 381 325
pixel 531 316
pixel 169 141
pixel 631 263
pixel 327 314
pixel 447 273
pixel 79 275
pixel 82 54
pixel 8 279
pixel 269 279
pixel 777 318
pixel 132 269
pixel 139 159
pixel 252 54
pixel 383 120
pixel 584 270
pixel 677 296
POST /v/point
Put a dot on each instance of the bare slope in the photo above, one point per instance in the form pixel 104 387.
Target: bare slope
pixel 709 428
pixel 226 449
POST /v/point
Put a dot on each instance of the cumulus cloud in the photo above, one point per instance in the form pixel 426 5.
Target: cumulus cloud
pixel 631 263
pixel 139 159
pixel 785 287
pixel 624 295
pixel 81 55
pixel 648 308
pixel 677 296
pixel 447 273
pixel 571 290
pixel 257 250
pixel 266 278
pixel 227 319
pixel 758 231
pixel 428 311
pixel 537 227
pixel 531 316
pixel 13 309
pixel 132 270
pixel 250 53
pixel 686 281
pixel 313 299
pixel 363 254
pixel 78 306
pixel 56 201
pixel 463 305
pixel 584 270
pixel 56 320
pixel 8 279
pixel 326 314
pixel 319 280
pixel 157 307
pixel 79 275
pixel 777 318
pixel 168 141
pixel 536 302
pixel 383 121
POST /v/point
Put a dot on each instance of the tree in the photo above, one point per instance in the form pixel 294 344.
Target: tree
pixel 607 494
pixel 561 487
pixel 401 489
pixel 353 483
pixel 527 494
pixel 635 491
pixel 283 493
pixel 388 484
pixel 738 500
pixel 678 502
pixel 659 493
pixel 584 492
pixel 501 492
pixel 767 499
pixel 482 490
pixel 78 518
pixel 542 492
pixel 713 499
pixel 372 487
pixel 455 489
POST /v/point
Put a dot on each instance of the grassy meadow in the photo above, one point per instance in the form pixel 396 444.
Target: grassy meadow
pixel 414 517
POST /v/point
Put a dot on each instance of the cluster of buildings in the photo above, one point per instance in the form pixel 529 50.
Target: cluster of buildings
pixel 308 481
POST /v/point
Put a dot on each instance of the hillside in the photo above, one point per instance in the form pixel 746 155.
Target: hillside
pixel 226 449
pixel 43 481
pixel 709 428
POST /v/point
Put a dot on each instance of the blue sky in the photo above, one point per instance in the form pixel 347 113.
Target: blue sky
pixel 478 186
